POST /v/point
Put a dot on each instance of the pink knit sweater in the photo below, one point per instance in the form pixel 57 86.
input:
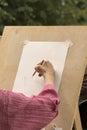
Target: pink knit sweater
pixel 19 112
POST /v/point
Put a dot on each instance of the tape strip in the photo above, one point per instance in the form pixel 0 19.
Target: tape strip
pixel 69 42
pixel 54 127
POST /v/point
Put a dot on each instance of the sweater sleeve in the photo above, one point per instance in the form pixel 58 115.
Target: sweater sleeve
pixel 32 113
pixel 3 110
pixel 50 93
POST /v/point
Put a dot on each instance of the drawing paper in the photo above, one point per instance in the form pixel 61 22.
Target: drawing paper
pixel 33 53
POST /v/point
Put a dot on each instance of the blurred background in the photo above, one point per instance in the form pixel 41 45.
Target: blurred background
pixel 42 12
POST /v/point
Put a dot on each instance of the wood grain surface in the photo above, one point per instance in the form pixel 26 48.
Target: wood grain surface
pixel 0 38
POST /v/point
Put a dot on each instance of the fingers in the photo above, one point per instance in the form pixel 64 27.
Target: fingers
pixel 40 69
pixel 43 67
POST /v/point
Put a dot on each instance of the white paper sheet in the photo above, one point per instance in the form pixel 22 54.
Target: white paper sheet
pixel 33 53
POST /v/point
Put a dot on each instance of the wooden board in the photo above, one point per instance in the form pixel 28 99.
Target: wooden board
pixel 0 39
pixel 77 122
pixel 10 52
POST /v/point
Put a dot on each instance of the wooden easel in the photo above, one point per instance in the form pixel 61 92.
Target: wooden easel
pixel 11 45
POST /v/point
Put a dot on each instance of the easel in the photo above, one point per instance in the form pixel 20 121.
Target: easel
pixel 10 51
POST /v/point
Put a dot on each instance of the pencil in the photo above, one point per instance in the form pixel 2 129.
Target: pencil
pixel 38 64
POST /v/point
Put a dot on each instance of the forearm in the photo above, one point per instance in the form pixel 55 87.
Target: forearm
pixel 49 80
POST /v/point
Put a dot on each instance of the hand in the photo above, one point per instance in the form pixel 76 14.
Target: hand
pixel 47 71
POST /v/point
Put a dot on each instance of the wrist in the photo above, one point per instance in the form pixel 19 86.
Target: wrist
pixel 49 80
